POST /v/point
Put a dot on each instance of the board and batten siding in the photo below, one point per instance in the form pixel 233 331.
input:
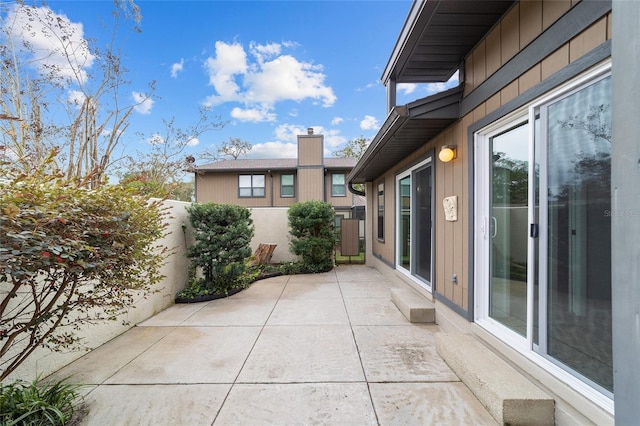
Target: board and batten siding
pixel 310 150
pixel 347 200
pixel 310 184
pixel 518 28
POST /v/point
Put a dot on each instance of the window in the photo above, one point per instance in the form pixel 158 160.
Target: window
pixel 338 186
pixel 381 211
pixel 251 185
pixel 287 188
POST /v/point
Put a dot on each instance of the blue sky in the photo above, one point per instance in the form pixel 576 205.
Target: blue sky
pixel 268 69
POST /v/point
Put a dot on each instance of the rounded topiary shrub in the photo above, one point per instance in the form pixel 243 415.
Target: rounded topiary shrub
pixel 222 234
pixel 312 229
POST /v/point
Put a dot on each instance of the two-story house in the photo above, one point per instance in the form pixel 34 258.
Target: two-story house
pixel 497 199
pixel 281 182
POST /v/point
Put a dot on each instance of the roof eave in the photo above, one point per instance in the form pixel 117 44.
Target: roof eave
pixel 407 128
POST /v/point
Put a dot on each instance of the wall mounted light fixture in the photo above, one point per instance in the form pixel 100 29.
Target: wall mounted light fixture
pixel 448 153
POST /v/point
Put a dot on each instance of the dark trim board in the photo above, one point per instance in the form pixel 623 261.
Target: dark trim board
pixel 468 314
pixel 576 20
pixel 572 70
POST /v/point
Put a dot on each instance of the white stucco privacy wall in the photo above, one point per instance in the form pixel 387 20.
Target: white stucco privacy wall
pixel 44 362
pixel 272 227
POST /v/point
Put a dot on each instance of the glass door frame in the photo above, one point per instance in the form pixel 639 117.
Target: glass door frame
pixel 410 273
pixel 533 351
pixel 482 238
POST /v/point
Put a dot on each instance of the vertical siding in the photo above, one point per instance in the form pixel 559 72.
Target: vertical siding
pixel 310 184
pixel 521 25
pixel 530 21
pixel 223 188
pixel 553 10
pixel 279 201
pixel 346 201
pixel 310 150
pixel 385 249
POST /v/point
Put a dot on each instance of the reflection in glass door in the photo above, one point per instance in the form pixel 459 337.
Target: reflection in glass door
pixel 414 244
pixel 543 236
pixel 404 230
pixel 578 241
pixel 423 194
pixel 508 228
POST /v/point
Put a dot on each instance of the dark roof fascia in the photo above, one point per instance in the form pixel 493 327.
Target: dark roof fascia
pixel 392 123
pixel 251 170
pixel 420 13
pixel 459 25
pixel 416 123
pixel 275 168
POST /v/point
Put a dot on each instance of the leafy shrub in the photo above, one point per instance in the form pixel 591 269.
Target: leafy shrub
pixel 38 403
pixel 223 235
pixel 69 256
pixel 312 226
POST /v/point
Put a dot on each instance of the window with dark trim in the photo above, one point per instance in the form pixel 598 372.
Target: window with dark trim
pixel 250 186
pixel 287 186
pixel 381 211
pixel 338 185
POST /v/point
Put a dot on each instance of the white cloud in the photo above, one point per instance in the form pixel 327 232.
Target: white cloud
pixel 252 115
pixel 274 150
pixel 57 44
pixel 177 67
pixel 369 122
pixel 264 51
pixel 76 98
pixel 337 120
pixel 369 86
pixel 143 103
pixel 193 142
pixel 332 140
pixel 407 88
pixel 270 77
pixel 230 61
pixel 433 88
pixel 289 132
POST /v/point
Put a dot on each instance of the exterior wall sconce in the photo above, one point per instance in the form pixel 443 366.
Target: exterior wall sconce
pixel 447 153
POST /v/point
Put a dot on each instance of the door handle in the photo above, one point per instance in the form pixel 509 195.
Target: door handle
pixel 494 226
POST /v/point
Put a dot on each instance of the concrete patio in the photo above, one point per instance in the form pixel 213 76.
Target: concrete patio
pixel 305 349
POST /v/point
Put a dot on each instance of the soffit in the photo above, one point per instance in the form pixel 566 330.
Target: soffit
pixel 438 35
pixel 407 128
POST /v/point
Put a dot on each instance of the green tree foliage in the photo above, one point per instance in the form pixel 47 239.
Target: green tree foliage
pixel 223 235
pixel 355 148
pixel 69 256
pixel 311 225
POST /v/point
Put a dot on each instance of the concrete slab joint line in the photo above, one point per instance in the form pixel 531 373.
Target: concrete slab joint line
pixel 321 349
pixel 508 396
pixel 413 306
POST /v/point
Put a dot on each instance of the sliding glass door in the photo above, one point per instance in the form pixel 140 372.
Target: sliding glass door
pixel 414 242
pixel 577 251
pixel 508 228
pixel 543 230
